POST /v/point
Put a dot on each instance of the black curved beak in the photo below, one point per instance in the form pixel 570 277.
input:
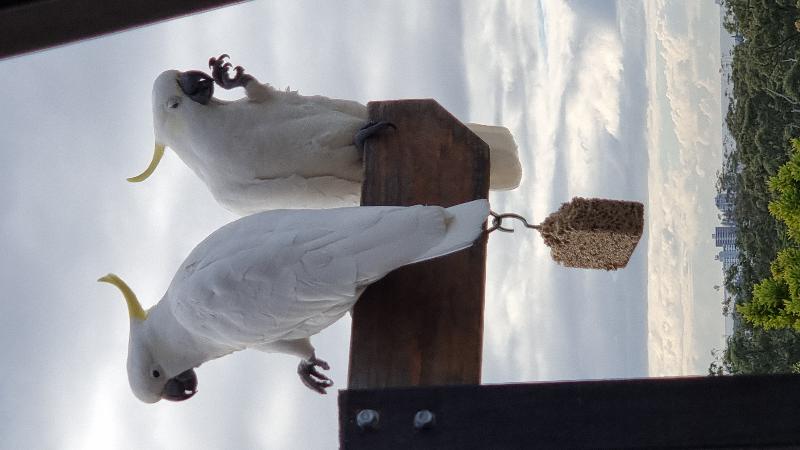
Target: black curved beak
pixel 197 85
pixel 180 387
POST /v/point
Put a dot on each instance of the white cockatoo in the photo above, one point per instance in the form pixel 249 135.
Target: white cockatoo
pixel 271 280
pixel 278 149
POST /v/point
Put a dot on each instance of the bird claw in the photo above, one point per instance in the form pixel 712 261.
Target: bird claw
pixel 369 130
pixel 313 378
pixel 220 68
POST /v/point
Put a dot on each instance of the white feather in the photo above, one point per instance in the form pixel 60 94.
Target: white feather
pixel 285 275
pixel 277 149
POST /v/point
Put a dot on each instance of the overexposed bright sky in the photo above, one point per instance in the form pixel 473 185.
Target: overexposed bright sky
pixel 615 99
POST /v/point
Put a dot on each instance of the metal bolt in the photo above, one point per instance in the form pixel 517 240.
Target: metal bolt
pixel 367 419
pixel 424 420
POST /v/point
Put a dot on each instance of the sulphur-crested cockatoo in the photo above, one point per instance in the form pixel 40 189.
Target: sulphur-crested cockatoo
pixel 278 149
pixel 271 280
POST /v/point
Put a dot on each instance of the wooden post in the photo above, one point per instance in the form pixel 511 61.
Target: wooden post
pixel 423 324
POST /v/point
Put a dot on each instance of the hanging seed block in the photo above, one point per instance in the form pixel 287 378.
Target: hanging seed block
pixel 594 233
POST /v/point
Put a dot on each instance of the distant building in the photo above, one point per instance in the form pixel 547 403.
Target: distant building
pixel 724 202
pixel 725 236
pixel 730 324
pixel 729 256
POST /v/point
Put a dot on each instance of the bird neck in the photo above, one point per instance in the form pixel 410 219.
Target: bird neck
pixel 174 346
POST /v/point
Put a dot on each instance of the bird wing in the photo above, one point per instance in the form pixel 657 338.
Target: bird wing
pixel 289 135
pixel 288 274
pixel 349 107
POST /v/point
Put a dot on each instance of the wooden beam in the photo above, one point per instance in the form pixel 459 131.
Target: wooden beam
pixel 701 412
pixel 423 324
pixel 28 26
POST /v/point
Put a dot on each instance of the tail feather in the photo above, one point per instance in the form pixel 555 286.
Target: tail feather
pixel 506 172
pixel 464 225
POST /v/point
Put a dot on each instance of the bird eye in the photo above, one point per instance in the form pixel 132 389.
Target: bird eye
pixel 156 374
pixel 173 102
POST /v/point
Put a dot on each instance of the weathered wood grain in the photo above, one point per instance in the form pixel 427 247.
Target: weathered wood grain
pixel 423 324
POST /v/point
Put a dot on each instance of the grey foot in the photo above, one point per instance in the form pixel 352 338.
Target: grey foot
pixel 369 130
pixel 313 378
pixel 197 85
pixel 219 71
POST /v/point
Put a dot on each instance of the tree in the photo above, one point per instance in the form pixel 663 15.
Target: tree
pixel 763 116
pixel 791 82
pixel 755 350
pixel 776 300
pixel 786 184
pixel 720 366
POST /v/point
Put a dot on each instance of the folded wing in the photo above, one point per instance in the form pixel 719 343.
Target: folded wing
pixel 288 274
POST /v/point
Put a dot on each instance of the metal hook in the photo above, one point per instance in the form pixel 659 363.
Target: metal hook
pixel 497 222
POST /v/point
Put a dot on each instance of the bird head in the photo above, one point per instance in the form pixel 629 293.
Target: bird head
pixel 173 93
pixel 150 376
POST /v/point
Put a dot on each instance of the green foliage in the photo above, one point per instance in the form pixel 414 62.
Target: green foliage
pixel 776 300
pixel 761 121
pixel 791 82
pixel 786 185
pixel 758 351
pixel 719 366
pixel 764 115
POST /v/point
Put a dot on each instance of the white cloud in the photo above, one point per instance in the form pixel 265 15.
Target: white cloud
pixel 685 123
pixel 559 91
pixel 592 113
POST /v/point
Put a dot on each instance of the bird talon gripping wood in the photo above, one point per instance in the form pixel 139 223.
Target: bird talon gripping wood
pixel 367 131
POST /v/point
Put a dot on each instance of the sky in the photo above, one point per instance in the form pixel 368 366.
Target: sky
pixel 613 99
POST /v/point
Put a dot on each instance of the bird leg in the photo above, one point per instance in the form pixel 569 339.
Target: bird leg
pixel 219 71
pixel 367 131
pixel 313 378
